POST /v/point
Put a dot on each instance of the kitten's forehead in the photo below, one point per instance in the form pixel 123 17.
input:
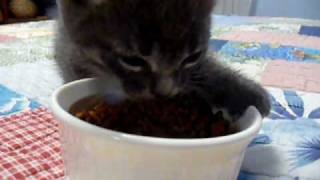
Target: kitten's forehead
pixel 132 13
pixel 162 62
pixel 170 27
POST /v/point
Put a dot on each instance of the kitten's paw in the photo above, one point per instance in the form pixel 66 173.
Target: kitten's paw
pixel 238 104
pixel 262 103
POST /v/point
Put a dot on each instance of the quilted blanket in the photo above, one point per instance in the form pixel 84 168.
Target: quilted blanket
pixel 282 54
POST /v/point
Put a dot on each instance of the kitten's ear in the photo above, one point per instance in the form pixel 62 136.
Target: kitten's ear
pixel 206 6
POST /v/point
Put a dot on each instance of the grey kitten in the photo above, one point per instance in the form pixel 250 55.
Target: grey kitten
pixel 153 48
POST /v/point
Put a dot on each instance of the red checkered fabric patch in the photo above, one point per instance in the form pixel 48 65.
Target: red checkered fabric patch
pixel 30 147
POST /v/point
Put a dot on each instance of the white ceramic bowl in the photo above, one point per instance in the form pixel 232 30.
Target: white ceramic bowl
pixel 91 152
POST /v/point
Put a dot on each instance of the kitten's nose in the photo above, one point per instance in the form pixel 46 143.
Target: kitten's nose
pixel 164 87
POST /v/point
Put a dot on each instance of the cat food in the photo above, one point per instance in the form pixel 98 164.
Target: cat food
pixel 170 118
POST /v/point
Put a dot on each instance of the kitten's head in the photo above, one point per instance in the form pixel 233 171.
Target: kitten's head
pixel 152 46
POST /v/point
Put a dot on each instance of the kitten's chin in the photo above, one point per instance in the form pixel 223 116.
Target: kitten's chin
pixel 175 91
pixel 141 95
pixel 146 94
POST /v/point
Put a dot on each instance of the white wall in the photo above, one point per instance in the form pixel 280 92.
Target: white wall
pixel 309 9
pixel 237 7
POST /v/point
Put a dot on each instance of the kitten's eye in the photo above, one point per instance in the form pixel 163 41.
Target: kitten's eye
pixel 191 60
pixel 135 64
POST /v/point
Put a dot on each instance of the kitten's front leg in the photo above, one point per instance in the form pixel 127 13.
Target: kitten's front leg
pixel 227 89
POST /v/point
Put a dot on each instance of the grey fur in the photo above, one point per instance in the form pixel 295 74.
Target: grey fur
pixel 94 36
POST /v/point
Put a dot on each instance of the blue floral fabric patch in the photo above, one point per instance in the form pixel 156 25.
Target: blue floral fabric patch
pixel 11 102
pixel 288 145
pixel 310 31
pixel 263 51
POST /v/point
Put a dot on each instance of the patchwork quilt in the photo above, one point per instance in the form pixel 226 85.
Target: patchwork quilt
pixel 280 53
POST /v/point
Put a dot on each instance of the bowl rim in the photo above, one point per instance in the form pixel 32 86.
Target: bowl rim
pixel 65 117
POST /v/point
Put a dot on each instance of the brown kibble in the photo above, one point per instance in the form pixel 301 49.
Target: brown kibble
pixel 168 118
pixel 218 129
pixel 81 114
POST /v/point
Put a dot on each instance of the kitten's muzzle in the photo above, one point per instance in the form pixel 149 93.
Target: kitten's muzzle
pixel 165 87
